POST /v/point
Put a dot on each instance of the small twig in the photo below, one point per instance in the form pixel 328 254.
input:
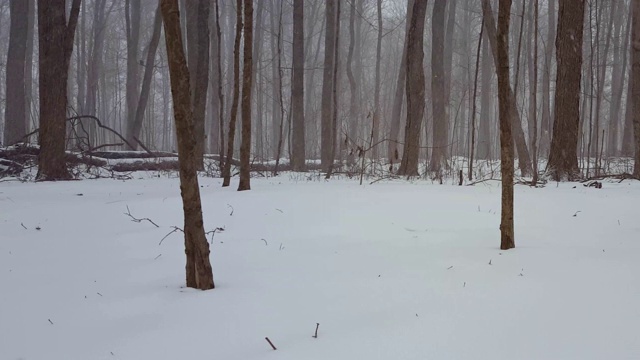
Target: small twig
pixel 51 322
pixel 265 242
pixel 231 214
pixel 155 258
pixel 99 293
pixel 175 228
pixel 270 343
pixel 213 232
pixel 280 210
pixel 576 213
pixel 134 219
pixel 23 226
pixel 316 334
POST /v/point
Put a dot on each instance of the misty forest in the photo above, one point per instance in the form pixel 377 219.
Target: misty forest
pixel 428 179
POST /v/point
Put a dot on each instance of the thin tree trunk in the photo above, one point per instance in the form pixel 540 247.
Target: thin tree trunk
pixel 297 88
pixel 198 268
pixel 473 109
pixel 375 131
pixel 135 124
pixel 247 77
pixel 438 87
pixel 486 103
pixel 132 23
pixel 226 170
pixel 635 79
pixel 327 141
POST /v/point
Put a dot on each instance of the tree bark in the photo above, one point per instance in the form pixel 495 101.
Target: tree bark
pixel 247 77
pixel 375 131
pixel 563 159
pixel 327 141
pixel 506 123
pixel 546 123
pixel 55 44
pixel 635 79
pixel 297 88
pixel 415 90
pixel 226 170
pixel 440 131
pixel 199 274
pixel 15 109
pixel 486 103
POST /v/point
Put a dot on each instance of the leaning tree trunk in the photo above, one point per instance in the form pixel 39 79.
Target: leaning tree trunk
pixel 198 269
pixel 415 90
pixel 15 109
pixel 297 88
pixel 524 159
pixel 563 158
pixel 247 77
pixel 55 47
pixel 506 138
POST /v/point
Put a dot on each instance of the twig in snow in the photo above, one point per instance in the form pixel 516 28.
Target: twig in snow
pixel 316 334
pixel 134 219
pixel 231 214
pixel 99 293
pixel 576 213
pixel 155 258
pixel 26 227
pixel 450 267
pixel 175 228
pixel 213 232
pixel 490 262
pixel 265 242
pixel 51 322
pixel 270 343
pixel 280 210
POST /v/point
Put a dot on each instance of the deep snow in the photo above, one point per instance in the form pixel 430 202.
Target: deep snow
pixel 393 270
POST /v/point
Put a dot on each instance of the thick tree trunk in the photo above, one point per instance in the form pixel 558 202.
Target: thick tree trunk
pixel 546 123
pixel 55 36
pixel 226 170
pixel 486 103
pixel 438 88
pixel 15 109
pixel 563 160
pixel 216 130
pixel 198 268
pixel 247 77
pixel 617 82
pixel 506 123
pixel 415 90
pixel 297 88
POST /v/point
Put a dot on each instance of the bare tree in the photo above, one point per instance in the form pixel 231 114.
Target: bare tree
pixel 55 48
pixel 198 268
pixel 297 88
pixel 132 24
pixel 327 141
pixel 563 159
pixel 247 78
pixel 506 138
pixel 415 90
pixel 15 109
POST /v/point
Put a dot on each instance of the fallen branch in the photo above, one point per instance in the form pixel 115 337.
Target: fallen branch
pixel 134 219
pixel 175 228
pixel 270 343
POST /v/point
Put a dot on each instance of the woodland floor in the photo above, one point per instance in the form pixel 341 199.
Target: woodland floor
pixel 391 270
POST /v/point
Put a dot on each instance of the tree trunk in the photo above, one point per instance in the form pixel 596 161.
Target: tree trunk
pixel 635 79
pixel 438 87
pixel 415 90
pixel 297 88
pixel 524 160
pixel 132 20
pixel 375 131
pixel 486 103
pixel 198 268
pixel 135 123
pixel 546 123
pixel 247 77
pixel 226 170
pixel 617 82
pixel 15 109
pixel 563 160
pixel 506 138
pixel 327 141
pixel 55 45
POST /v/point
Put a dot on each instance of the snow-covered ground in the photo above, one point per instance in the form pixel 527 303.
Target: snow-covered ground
pixel 393 270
